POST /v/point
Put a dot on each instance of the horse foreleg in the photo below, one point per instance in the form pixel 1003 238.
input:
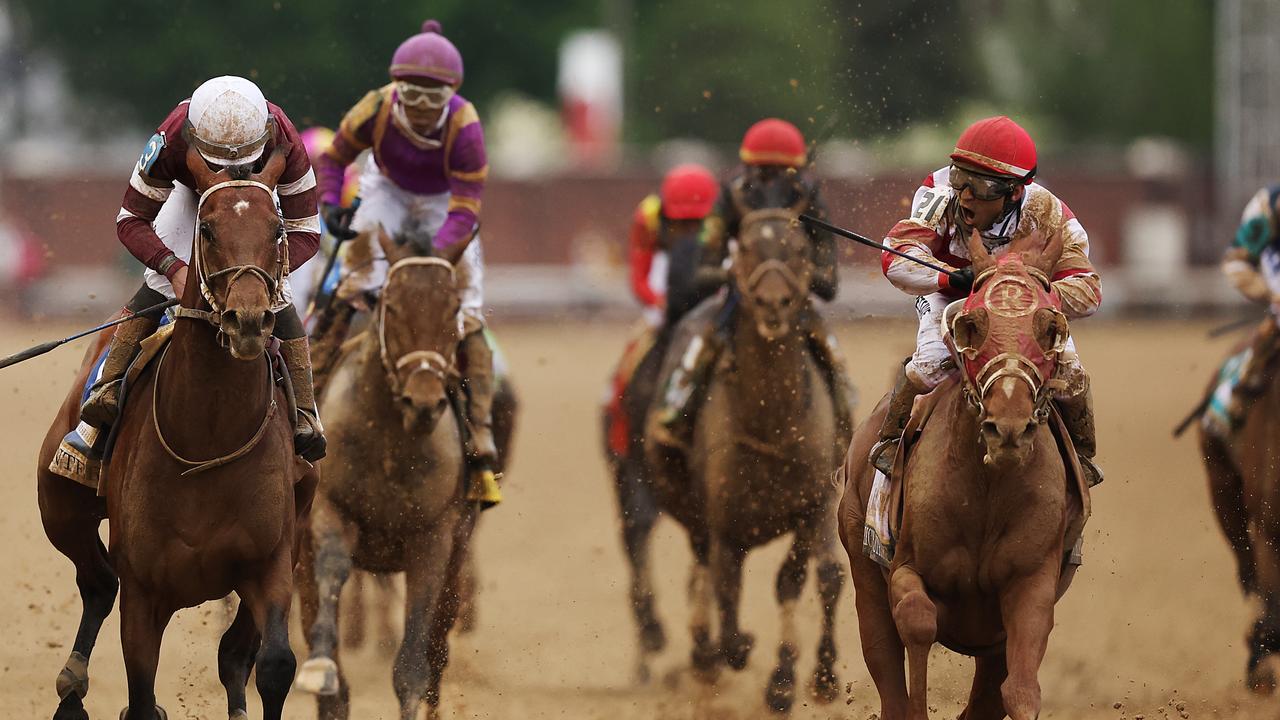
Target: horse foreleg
pixel 269 598
pixel 425 582
pixel 726 574
pixel 1026 606
pixel 353 631
pixel 1226 491
pixel 142 624
pixel 705 656
pixel 826 684
pixel 639 513
pixel 1264 639
pixel 780 693
pixel 985 701
pixel 236 652
pixel 916 618
pixel 882 649
pixel 331 553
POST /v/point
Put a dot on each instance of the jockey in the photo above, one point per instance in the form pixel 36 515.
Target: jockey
pixel 230 123
pixel 773 155
pixel 423 181
pixel 988 188
pixel 1252 265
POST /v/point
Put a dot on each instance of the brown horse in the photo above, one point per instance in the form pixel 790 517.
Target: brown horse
pixel 765 445
pixel 186 531
pixel 987 511
pixel 1244 484
pixel 393 496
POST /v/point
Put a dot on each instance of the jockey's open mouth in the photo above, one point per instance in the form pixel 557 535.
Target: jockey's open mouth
pixel 966 214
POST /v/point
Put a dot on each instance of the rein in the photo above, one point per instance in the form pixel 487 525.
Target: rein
pixel 418 361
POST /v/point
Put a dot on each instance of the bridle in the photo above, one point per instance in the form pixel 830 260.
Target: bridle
pixel 795 281
pixel 1013 365
pixel 416 361
pixel 273 282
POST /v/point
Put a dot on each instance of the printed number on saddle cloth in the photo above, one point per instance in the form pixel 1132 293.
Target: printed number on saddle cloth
pixel 932 201
pixel 150 153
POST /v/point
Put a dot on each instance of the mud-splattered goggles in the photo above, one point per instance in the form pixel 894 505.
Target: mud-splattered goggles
pixel 983 187
pixel 426 97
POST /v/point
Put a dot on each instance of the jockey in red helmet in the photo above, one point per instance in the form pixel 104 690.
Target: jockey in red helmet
pixel 229 123
pixel 774 156
pixel 423 179
pixel 987 189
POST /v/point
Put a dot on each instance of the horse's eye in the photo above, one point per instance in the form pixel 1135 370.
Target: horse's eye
pixel 206 231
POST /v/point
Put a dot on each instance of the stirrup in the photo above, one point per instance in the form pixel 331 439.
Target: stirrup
pixel 880 457
pixel 308 437
pixel 1092 473
pixel 102 407
pixel 483 488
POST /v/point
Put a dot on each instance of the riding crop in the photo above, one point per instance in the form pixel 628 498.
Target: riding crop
pixel 43 348
pixel 851 235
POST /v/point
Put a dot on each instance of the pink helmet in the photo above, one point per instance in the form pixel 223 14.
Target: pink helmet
pixel 316 140
pixel 428 55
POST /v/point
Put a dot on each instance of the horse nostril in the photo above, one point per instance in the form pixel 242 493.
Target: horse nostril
pixel 989 427
pixel 230 317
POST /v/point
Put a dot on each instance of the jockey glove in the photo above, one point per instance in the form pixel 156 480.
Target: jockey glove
pixel 337 220
pixel 961 280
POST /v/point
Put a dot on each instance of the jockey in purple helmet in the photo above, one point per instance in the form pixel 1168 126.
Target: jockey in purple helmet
pixel 423 181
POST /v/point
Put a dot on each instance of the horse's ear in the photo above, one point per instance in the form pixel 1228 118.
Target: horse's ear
pixel 1050 328
pixel 969 331
pixel 394 253
pixel 205 177
pixel 978 254
pixel 274 168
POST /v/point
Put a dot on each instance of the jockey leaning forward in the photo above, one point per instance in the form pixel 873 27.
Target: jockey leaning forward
pixel 773 155
pixel 423 181
pixel 230 123
pixel 1252 265
pixel 987 189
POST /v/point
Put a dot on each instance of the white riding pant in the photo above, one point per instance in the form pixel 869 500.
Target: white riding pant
pixel 384 203
pixel 931 363
pixel 176 226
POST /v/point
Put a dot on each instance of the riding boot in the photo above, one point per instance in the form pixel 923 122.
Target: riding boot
pixel 1253 376
pixel 903 397
pixel 834 369
pixel 308 435
pixel 477 380
pixel 103 406
pixel 328 334
pixel 1077 415
pixel 678 404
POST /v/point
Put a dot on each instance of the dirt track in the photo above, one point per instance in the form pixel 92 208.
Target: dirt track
pixel 1153 619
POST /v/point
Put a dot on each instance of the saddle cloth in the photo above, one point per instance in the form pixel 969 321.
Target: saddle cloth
pixel 1218 419
pixel 886 503
pixel 79 455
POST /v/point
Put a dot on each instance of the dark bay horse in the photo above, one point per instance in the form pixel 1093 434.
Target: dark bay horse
pixel 184 530
pixel 392 497
pixel 1244 485
pixel 988 510
pixel 628 465
pixel 765 445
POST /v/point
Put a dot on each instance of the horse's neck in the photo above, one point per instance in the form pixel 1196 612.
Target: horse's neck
pixel 201 381
pixel 773 380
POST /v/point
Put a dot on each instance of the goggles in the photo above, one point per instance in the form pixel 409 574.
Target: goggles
pixel 983 187
pixel 415 96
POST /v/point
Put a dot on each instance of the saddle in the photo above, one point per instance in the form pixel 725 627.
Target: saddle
pixel 886 506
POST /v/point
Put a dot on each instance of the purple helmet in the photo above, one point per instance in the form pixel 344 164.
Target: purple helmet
pixel 428 55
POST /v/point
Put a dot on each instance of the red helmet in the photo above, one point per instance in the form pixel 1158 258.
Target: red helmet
pixel 688 192
pixel 1000 146
pixel 773 142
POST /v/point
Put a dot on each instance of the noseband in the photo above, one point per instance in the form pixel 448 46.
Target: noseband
pixel 274 283
pixel 417 361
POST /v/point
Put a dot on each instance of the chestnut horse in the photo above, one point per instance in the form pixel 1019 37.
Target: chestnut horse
pixel 183 530
pixel 393 493
pixel 987 512
pixel 1244 484
pixel 765 444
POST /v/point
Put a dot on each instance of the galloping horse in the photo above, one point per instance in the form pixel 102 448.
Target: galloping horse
pixel 184 531
pixel 628 465
pixel 1244 484
pixel 765 444
pixel 393 492
pixel 989 506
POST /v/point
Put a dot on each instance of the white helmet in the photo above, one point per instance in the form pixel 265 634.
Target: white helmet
pixel 228 121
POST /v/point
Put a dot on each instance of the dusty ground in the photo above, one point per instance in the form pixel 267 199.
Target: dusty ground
pixel 1154 618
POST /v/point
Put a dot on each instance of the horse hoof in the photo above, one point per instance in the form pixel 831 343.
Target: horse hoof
pixel 238 715
pixel 318 676
pixel 737 649
pixel 71 708
pixel 780 695
pixel 652 637
pixel 160 713
pixel 826 686
pixel 1262 679
pixel 74 677
pixel 706 663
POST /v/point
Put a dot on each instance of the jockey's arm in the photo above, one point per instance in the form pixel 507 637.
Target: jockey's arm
pixel 716 228
pixel 826 270
pixel 1241 261
pixel 468 168
pixel 641 246
pixel 149 187
pixel 298 195
pixel 918 236
pixel 354 136
pixel 1242 272
pixel 1074 279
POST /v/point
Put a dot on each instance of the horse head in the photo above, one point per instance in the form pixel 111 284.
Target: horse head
pixel 418 333
pixel 1007 337
pixel 240 251
pixel 772 265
